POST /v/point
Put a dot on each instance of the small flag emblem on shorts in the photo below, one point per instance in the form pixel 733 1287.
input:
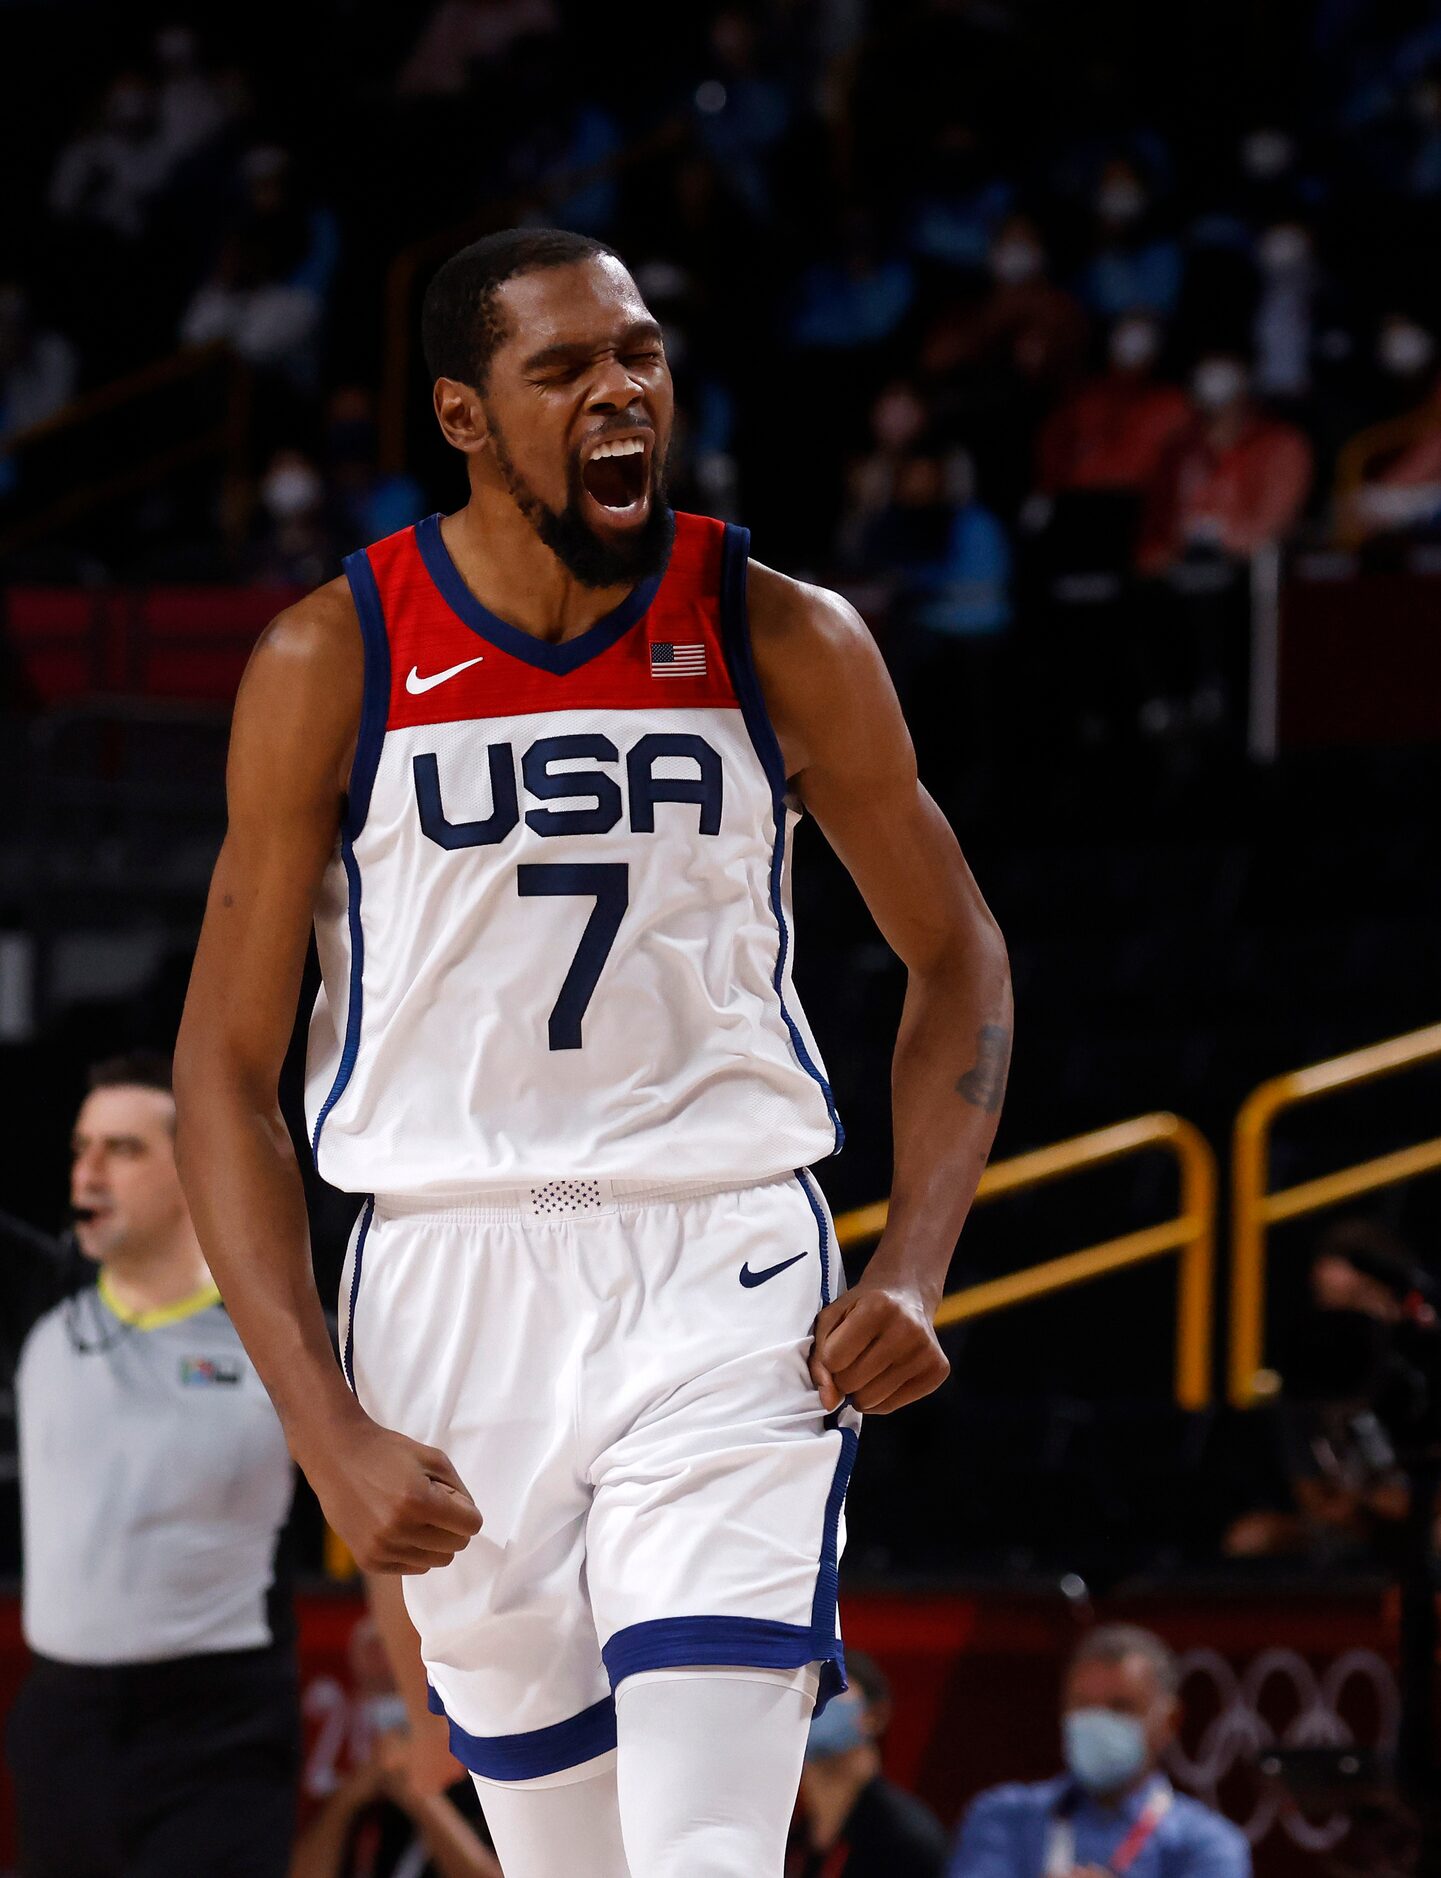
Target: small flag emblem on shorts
pixel 669 660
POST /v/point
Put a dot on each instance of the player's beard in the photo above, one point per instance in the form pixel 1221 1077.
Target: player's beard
pixel 592 560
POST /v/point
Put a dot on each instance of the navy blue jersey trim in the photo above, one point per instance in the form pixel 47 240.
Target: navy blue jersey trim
pixel 497 632
pixel 347 1355
pixel 823 1607
pixel 564 1744
pixel 823 1228
pixel 350 1049
pixel 725 1642
pixel 374 710
pixel 375 703
pixel 735 639
pixel 705 1641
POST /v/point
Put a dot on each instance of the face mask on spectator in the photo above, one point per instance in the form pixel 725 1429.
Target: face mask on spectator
pixel 1104 1751
pixel 1265 154
pixel 291 490
pixel 1404 348
pixel 1283 249
pixel 1015 260
pixel 1120 199
pixel 839 1728
pixel 1217 383
pixel 1134 345
pixel 897 418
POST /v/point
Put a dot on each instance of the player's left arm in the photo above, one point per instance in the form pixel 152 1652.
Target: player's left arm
pixel 849 756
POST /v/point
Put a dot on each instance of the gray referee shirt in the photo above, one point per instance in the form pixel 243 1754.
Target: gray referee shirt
pixel 154 1483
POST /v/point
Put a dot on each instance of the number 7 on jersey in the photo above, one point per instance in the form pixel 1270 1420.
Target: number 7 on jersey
pixel 609 883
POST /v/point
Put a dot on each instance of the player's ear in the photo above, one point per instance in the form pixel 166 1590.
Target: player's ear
pixel 461 415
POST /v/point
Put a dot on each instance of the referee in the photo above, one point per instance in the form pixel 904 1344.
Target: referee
pixel 157 1734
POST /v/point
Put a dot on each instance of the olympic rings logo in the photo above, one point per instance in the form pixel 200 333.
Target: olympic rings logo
pixel 1240 1730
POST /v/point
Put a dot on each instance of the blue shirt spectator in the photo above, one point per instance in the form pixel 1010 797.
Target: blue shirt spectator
pixel 1112 1811
pixel 856 302
pixel 1007 1834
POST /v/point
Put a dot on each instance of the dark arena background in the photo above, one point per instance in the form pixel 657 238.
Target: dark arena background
pixel 1094 352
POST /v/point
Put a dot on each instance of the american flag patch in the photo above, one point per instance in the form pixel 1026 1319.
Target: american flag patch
pixel 669 660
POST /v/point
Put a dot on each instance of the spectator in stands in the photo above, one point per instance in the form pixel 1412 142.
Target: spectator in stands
pixel 1397 489
pixel 295 547
pixel 194 104
pixel 366 503
pixel 1233 481
pixel 965 196
pixel 157 1730
pixel 1344 1495
pixel 1131 265
pixel 1113 431
pixel 855 301
pixel 1284 331
pixel 1026 324
pixel 742 111
pixel 1113 1810
pixel 37 373
pixel 461 34
pixel 108 176
pixel 266 296
pixel 1406 355
pixel 1389 475
pixel 853 1822
pixel 940 560
pixel 945 557
pixel 379 1823
pixel 897 421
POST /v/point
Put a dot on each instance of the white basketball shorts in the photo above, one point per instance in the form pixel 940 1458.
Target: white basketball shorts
pixel 620 1379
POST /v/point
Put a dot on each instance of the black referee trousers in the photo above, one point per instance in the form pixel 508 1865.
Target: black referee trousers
pixel 157 1770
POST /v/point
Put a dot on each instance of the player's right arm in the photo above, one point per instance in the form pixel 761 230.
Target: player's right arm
pixel 398 1505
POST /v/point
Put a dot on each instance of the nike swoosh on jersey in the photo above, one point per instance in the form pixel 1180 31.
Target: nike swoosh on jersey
pixel 750 1278
pixel 415 684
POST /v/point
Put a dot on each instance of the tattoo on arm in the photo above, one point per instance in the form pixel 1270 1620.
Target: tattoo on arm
pixel 984 1083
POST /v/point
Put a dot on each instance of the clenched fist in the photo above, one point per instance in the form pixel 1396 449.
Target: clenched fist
pixel 398 1505
pixel 878 1346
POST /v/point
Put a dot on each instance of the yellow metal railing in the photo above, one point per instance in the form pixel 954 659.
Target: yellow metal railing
pixel 1255 1208
pixel 1191 1234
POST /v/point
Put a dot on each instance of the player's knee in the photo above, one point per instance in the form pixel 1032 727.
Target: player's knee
pixel 705 1849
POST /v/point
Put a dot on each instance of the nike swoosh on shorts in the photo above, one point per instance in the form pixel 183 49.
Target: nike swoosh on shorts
pixel 415 684
pixel 750 1278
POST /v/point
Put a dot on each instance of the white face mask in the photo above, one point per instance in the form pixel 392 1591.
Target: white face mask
pixel 1283 249
pixel 1015 260
pixel 1217 383
pixel 1405 349
pixel 290 491
pixel 1120 199
pixel 897 419
pixel 1134 344
pixel 1266 154
pixel 1103 1750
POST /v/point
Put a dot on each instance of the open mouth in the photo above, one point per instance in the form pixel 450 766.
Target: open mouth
pixel 616 477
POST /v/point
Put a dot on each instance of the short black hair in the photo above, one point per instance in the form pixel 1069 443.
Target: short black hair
pixel 133 1069
pixel 460 323
pixel 1114 1643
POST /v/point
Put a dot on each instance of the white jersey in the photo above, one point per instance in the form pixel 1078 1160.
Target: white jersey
pixel 554 936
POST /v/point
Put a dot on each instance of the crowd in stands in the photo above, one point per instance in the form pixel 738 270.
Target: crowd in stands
pixel 948 310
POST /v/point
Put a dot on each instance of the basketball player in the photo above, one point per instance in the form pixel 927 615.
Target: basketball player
pixel 532 768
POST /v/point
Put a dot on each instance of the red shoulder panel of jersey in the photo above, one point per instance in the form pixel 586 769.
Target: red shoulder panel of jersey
pixel 443 670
